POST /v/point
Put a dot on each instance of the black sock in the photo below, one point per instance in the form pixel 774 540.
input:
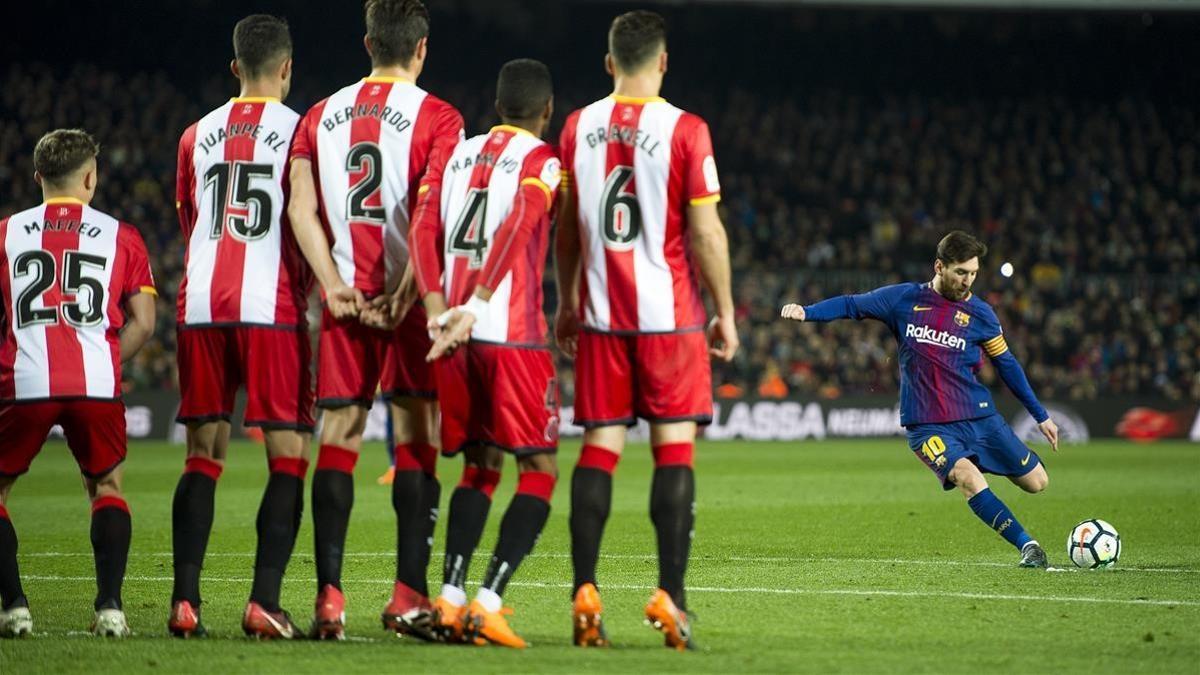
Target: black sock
pixel 191 523
pixel 332 499
pixel 277 523
pixel 523 522
pixel 431 496
pixel 111 531
pixel 468 514
pixel 11 593
pixel 591 499
pixel 407 498
pixel 672 503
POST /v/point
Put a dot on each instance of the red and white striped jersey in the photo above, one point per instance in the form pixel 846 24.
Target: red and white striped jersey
pixel 488 208
pixel 369 145
pixel 633 166
pixel 66 270
pixel 242 264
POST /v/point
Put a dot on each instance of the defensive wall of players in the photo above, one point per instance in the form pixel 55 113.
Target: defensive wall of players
pixel 151 414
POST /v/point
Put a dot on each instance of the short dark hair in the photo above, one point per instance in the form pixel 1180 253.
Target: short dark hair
pixel 260 41
pixel 522 89
pixel 958 246
pixel 636 36
pixel 62 152
pixel 394 27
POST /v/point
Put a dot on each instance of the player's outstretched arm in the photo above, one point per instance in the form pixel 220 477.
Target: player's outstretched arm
pixel 139 324
pixel 1014 378
pixel 567 268
pixel 710 246
pixel 343 301
pixel 876 304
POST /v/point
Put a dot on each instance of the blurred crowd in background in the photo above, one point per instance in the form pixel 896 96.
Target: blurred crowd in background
pixel 828 188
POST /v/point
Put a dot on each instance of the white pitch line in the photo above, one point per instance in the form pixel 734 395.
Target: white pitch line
pixel 641 556
pixel 720 589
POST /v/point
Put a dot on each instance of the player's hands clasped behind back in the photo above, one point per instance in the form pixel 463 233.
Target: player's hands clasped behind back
pixel 792 311
pixel 455 331
pixel 723 339
pixel 1050 430
pixel 344 302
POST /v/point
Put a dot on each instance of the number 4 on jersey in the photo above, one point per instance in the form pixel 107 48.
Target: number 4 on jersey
pixel 468 239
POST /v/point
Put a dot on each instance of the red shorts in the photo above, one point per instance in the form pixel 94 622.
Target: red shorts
pixel 498 395
pixel 660 377
pixel 95 431
pixel 273 364
pixel 355 361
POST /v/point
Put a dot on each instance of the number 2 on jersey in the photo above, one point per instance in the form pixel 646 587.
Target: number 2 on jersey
pixel 41 266
pixel 254 202
pixel 364 157
pixel 468 238
pixel 620 214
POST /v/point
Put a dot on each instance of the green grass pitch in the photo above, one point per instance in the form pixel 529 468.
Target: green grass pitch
pixel 838 556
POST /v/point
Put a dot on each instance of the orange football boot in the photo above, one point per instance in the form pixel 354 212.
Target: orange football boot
pixel 665 617
pixel 589 629
pixel 448 620
pixel 482 627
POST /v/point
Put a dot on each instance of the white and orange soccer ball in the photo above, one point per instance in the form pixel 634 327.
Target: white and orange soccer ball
pixel 1094 544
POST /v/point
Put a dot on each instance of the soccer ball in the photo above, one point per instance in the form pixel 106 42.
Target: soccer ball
pixel 1094 544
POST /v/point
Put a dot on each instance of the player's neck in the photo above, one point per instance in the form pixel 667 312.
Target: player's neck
pixel 65 195
pixel 259 89
pixel 534 126
pixel 638 85
pixel 393 72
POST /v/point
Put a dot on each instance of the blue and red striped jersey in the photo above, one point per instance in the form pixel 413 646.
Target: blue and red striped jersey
pixel 941 348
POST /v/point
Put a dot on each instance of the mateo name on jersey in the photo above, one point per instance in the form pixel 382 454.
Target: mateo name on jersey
pixel 939 338
pixel 622 134
pixel 273 140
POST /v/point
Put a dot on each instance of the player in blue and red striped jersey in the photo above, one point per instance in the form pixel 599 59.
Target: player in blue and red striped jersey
pixel 943 331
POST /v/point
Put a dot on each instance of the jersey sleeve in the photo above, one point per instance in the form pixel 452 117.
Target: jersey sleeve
pixel 137 276
pixel 425 232
pixel 876 304
pixel 304 141
pixel 447 134
pixel 700 182
pixel 1010 369
pixel 185 182
pixel 566 150
pixel 543 169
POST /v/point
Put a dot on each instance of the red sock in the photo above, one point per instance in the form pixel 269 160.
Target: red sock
pixel 596 457
pixel 674 454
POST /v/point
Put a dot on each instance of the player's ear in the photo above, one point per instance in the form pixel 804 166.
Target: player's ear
pixel 233 68
pixel 548 111
pixel 662 62
pixel 499 113
pixel 367 45
pixel 285 70
pixel 37 178
pixel 421 50
pixel 608 65
pixel 89 176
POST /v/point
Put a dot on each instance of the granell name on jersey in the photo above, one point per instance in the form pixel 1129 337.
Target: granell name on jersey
pixel 507 165
pixel 385 114
pixel 618 133
pixel 272 140
pixel 84 229
pixel 940 338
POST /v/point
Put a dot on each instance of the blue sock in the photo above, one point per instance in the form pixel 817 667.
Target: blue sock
pixel 996 515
